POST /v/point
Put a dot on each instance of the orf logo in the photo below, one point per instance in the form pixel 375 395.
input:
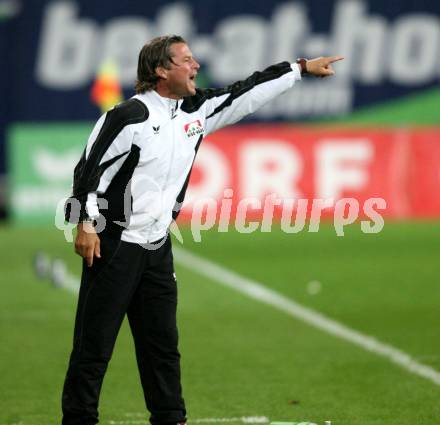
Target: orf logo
pixel 193 128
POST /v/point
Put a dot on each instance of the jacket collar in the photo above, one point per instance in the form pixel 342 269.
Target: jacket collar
pixel 167 105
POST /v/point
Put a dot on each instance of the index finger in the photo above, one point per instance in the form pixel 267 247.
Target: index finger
pixel 332 59
pixel 89 257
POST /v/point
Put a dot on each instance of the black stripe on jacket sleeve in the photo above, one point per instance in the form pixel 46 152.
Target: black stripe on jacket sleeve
pixel 88 171
pixel 237 89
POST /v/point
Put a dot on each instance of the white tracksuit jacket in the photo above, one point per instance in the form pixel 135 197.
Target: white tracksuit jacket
pixel 136 166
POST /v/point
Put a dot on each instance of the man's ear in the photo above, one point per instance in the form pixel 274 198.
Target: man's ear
pixel 161 72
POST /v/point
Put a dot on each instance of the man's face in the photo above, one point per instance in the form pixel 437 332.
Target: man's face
pixel 180 78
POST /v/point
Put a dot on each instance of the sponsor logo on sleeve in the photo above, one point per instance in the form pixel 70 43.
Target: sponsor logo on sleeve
pixel 193 128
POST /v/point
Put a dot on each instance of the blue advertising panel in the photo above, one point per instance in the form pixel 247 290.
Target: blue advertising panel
pixel 51 50
pixel 391 48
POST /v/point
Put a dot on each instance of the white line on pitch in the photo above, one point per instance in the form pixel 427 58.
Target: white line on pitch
pixel 259 292
pixel 242 419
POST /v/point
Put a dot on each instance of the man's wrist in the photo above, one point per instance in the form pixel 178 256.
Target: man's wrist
pixel 302 63
pixel 87 227
pixel 89 220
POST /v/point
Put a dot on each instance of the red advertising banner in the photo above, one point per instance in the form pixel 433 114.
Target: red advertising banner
pixel 248 166
pixel 423 180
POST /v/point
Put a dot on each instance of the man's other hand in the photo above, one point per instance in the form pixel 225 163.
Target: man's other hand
pixel 322 67
pixel 87 243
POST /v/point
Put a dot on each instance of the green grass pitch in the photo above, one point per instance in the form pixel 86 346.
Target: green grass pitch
pixel 241 357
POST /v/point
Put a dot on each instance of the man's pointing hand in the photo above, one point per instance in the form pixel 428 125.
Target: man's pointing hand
pixel 322 66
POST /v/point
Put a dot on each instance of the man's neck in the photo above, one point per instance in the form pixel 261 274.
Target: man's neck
pixel 165 92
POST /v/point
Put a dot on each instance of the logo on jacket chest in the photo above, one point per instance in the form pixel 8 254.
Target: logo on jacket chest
pixel 193 128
